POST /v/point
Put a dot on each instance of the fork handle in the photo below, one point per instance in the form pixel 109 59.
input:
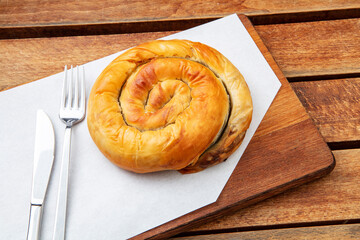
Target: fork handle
pixel 60 216
pixel 34 222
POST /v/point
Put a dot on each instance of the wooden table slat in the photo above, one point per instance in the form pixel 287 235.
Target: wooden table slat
pixel 334 107
pixel 31 13
pixel 314 48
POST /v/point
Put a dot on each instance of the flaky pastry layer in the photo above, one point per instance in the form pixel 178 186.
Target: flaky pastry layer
pixel 169 105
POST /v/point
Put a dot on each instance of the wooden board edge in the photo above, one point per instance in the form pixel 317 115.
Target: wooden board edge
pixel 256 198
pixel 319 230
pixel 169 231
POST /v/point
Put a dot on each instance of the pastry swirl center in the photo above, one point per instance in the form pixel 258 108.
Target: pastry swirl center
pixel 157 92
pixel 156 107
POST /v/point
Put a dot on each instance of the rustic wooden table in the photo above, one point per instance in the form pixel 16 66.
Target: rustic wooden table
pixel 315 43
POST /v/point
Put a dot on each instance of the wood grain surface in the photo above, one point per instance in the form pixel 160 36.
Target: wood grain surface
pixel 314 48
pixel 334 107
pixel 31 13
pixel 331 199
pixel 339 232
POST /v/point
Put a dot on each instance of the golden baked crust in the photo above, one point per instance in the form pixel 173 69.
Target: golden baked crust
pixel 169 105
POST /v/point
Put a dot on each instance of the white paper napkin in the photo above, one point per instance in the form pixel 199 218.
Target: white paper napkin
pixel 104 201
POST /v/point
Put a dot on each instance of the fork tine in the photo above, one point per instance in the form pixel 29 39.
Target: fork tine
pixel 70 88
pixel 63 96
pixel 82 90
pixel 76 90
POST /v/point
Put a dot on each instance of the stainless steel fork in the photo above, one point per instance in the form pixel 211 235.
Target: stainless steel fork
pixel 72 111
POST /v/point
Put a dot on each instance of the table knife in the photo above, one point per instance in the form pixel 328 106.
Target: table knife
pixel 43 162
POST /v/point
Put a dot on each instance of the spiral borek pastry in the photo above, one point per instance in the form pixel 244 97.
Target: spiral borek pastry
pixel 169 105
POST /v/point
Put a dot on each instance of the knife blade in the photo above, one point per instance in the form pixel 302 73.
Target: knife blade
pixel 43 162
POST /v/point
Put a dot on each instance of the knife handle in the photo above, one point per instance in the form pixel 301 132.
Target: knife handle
pixel 34 222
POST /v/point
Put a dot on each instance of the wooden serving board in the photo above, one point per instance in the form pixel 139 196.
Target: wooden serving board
pixel 286 151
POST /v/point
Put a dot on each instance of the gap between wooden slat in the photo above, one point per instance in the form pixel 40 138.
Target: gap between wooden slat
pixel 87 29
pixel 105 28
pixel 344 145
pixel 305 16
pixel 323 77
pixel 268 227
